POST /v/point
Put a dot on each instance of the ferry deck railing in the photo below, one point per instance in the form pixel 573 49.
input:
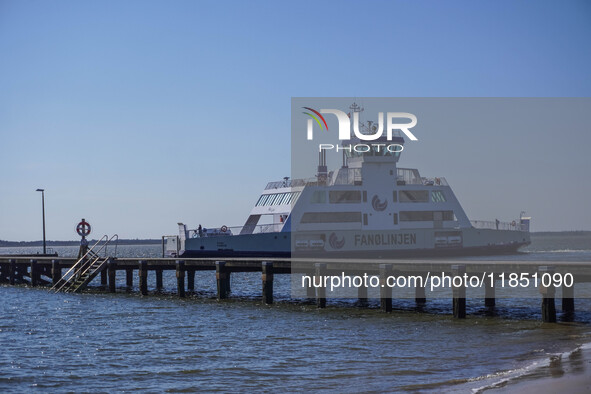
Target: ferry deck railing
pixel 491 224
pixel 235 230
pixel 405 176
pixel 286 183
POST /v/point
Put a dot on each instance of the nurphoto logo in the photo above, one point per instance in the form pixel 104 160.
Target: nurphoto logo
pixel 344 133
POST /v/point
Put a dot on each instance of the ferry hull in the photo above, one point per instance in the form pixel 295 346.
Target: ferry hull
pixel 361 244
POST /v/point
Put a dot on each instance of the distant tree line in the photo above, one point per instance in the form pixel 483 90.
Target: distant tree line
pixel 75 243
pixel 566 233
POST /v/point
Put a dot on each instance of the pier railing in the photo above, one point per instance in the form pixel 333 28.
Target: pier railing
pixel 87 266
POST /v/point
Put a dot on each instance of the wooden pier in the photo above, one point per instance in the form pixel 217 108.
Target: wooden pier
pixel 47 271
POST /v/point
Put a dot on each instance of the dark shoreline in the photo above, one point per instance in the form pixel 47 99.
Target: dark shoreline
pixel 76 243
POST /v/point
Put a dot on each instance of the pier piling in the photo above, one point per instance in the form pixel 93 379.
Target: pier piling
pixel 385 290
pixel 143 276
pixel 548 293
pixel 159 285
pixel 311 291
pixel 420 297
pixel 191 280
pixel 56 271
pixel 12 272
pixel 129 278
pixel 267 276
pixel 180 278
pixel 6 272
pixel 21 272
pixel 459 292
pixel 104 279
pixel 34 273
pixel 489 294
pixel 362 295
pixel 320 272
pixel 222 276
pixel 112 274
pixel 228 282
pixel 568 299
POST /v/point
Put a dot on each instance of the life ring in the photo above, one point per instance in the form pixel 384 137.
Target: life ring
pixel 224 229
pixel 83 228
pixel 513 223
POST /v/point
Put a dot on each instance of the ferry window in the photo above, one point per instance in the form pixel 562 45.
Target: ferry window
pixel 395 196
pixel 414 196
pixel 281 198
pixel 380 150
pixel 319 197
pixel 448 215
pixel 416 216
pixel 292 198
pixel 263 199
pixel 395 218
pixel 365 219
pixel 425 216
pixel 274 199
pixel 344 196
pixel 438 196
pixel 373 151
pixel 269 200
pixel 331 217
pixel 364 196
pixel 286 199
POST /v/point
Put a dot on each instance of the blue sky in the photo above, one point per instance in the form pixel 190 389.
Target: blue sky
pixel 139 114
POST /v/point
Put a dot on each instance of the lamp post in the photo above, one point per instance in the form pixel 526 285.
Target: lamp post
pixel 43 213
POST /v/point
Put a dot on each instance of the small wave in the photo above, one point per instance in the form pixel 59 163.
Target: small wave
pixel 511 375
pixel 507 376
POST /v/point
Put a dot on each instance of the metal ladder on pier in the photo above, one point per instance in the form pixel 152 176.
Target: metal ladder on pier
pixel 93 262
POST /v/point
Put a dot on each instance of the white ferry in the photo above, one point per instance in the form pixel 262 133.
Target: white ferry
pixel 368 208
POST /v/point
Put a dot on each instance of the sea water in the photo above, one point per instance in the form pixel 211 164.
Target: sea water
pixel 98 341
